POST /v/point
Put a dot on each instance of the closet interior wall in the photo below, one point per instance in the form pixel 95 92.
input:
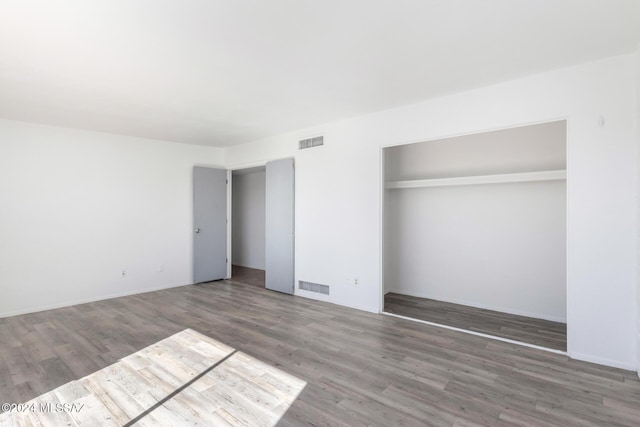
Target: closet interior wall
pixel 480 220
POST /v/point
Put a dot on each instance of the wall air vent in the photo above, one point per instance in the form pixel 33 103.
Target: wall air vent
pixel 311 142
pixel 313 287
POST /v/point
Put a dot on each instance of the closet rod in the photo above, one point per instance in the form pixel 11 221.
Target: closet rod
pixel 554 175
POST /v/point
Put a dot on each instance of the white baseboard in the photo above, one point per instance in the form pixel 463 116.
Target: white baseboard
pixel 70 303
pixel 483 306
pixel 603 361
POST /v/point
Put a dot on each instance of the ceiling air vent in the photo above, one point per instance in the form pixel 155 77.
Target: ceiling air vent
pixel 311 142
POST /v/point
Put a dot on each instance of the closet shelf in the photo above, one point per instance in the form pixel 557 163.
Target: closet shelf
pixel 554 175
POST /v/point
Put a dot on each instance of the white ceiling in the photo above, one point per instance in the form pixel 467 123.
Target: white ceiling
pixel 222 72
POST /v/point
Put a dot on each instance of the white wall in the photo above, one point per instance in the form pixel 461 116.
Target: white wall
pixel 78 207
pixel 248 215
pixel 338 192
pixel 638 139
pixel 499 247
pixel 531 148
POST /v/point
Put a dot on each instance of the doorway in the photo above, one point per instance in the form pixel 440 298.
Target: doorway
pixel 262 225
pixel 248 226
pixel 475 233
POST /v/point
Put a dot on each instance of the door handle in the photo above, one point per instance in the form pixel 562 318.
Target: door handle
pixel 197 231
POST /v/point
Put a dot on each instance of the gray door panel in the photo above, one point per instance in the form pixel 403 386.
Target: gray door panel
pixel 279 230
pixel 209 224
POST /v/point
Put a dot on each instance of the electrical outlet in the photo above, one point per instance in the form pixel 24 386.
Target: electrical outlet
pixel 356 282
pixel 161 269
pixel 124 273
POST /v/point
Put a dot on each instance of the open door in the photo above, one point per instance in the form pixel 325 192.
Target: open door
pixel 209 224
pixel 279 226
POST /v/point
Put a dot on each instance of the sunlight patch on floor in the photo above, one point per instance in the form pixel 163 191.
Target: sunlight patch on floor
pixel 213 385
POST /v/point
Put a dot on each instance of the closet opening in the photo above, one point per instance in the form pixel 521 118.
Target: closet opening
pixel 248 226
pixel 474 233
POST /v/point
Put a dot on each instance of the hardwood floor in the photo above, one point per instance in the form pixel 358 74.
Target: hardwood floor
pixel 250 276
pixel 539 332
pixel 186 379
pixel 360 368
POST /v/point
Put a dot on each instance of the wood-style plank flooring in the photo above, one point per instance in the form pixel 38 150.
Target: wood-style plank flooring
pixel 250 276
pixel 186 379
pixel 360 368
pixel 543 333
